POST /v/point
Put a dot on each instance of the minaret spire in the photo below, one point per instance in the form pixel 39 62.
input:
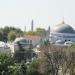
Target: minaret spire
pixel 32 25
pixel 25 28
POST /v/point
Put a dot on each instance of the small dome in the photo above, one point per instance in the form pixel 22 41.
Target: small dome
pixel 3 44
pixel 21 40
pixel 62 28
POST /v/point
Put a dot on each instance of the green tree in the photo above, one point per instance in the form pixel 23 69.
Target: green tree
pixel 5 63
pixel 1 36
pixel 5 31
pixel 30 33
pixel 11 35
pixel 23 54
pixel 23 68
pixel 40 31
pixel 33 68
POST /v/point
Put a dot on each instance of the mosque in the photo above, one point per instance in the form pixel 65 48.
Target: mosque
pixel 62 32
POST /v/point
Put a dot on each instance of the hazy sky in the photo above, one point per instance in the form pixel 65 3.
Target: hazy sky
pixel 19 13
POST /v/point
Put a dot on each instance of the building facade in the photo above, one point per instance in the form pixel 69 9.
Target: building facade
pixel 62 32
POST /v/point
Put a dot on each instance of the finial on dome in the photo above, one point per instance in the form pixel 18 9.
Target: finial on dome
pixel 63 20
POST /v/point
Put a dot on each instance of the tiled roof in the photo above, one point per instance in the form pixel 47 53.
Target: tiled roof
pixel 29 37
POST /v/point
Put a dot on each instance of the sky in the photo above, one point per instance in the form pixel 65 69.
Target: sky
pixel 45 13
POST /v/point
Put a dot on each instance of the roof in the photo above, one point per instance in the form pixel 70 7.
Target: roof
pixel 63 28
pixel 33 38
pixel 3 44
pixel 22 40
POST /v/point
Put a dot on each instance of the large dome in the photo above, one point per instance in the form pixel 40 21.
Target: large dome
pixel 62 28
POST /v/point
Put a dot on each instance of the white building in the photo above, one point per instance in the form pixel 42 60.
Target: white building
pixel 35 39
pixel 26 43
pixel 4 49
pixel 62 32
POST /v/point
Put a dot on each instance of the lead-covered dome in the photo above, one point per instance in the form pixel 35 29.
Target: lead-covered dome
pixel 21 40
pixel 62 28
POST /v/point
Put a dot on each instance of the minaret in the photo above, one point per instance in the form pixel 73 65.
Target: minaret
pixel 32 25
pixel 49 29
pixel 25 28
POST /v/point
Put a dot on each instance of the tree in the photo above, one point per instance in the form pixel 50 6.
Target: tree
pixel 40 31
pixel 23 68
pixel 5 31
pixel 11 35
pixel 33 68
pixel 5 63
pixel 30 33
pixel 1 36
pixel 23 54
pixel 20 55
pixel 57 60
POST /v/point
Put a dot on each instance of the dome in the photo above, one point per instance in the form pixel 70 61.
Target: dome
pixel 3 45
pixel 63 28
pixel 21 40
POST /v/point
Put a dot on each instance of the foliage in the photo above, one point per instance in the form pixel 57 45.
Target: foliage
pixel 30 33
pixel 11 35
pixel 5 63
pixel 8 33
pixel 23 69
pixel 19 69
pixel 1 36
pixel 58 60
pixel 20 54
pixel 23 54
pixel 33 68
pixel 6 30
pixel 38 31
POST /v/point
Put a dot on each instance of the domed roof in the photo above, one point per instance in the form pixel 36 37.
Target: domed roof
pixel 62 28
pixel 21 40
pixel 3 44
